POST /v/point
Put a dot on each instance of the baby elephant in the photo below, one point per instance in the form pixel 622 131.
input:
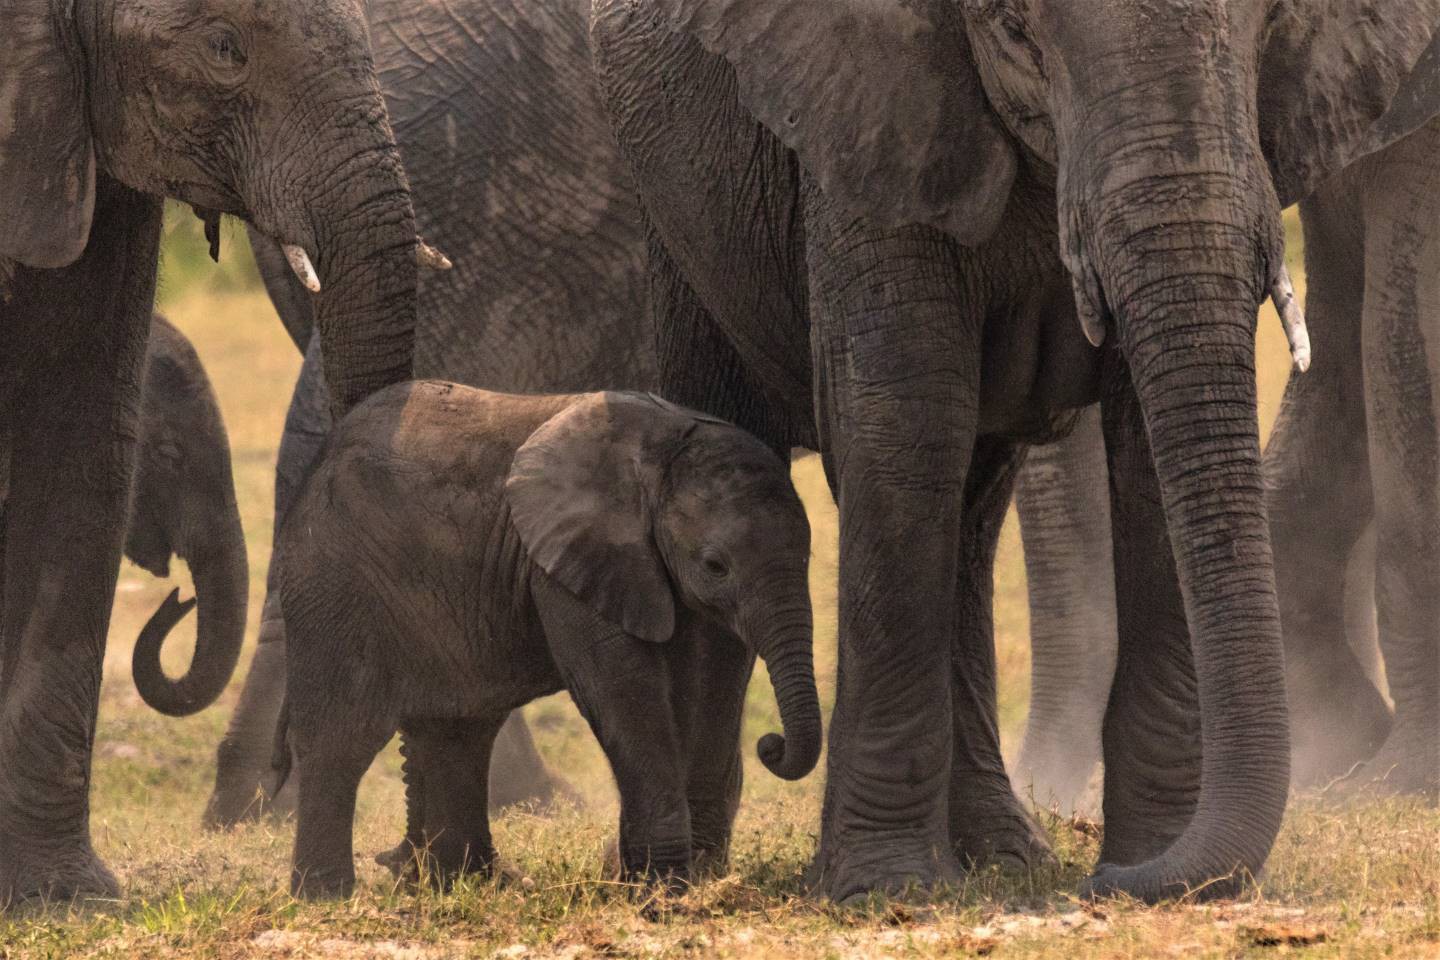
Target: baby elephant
pixel 458 553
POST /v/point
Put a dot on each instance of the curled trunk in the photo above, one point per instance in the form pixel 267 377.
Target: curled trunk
pixel 218 564
pixel 786 644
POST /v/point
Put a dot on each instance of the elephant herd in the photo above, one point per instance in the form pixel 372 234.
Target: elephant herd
pixel 963 249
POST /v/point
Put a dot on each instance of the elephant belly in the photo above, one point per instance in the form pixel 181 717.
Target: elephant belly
pixel 1037 368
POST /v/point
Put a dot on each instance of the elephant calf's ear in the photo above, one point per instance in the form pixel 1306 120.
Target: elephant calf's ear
pixel 579 495
pixel 47 164
pixel 879 99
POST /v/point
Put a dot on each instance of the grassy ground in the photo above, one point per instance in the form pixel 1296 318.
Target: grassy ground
pixel 1359 880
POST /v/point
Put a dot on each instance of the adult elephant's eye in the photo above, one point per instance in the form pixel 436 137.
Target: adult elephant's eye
pixel 225 48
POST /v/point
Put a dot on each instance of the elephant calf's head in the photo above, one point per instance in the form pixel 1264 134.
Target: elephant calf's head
pixel 632 503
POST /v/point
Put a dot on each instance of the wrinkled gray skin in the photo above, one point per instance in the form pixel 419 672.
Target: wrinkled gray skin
pixel 457 553
pixel 516 177
pixel 182 503
pixel 943 155
pixel 265 111
pixel 1351 478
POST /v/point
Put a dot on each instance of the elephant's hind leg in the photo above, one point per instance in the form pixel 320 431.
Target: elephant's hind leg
pixel 987 822
pixel 448 762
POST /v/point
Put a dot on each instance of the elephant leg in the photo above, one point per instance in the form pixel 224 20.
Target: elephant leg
pixel 1317 478
pixel 520 776
pixel 334 748
pixel 1402 369
pixel 244 780
pixel 448 833
pixel 74 345
pixel 896 333
pixel 711 672
pixel 1150 738
pixel 1063 498
pixel 987 821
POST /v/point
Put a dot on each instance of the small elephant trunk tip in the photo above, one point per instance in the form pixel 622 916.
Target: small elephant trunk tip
pixel 1292 318
pixel 785 763
pixel 157 690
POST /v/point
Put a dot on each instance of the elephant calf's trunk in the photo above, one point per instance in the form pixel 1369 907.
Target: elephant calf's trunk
pixel 792 674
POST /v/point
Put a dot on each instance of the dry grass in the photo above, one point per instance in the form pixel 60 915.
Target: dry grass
pixel 1357 881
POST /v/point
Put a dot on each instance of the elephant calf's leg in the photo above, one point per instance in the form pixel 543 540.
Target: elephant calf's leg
pixel 334 751
pixel 987 821
pixel 449 761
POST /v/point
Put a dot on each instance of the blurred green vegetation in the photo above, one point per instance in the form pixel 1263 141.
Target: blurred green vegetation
pixel 185 265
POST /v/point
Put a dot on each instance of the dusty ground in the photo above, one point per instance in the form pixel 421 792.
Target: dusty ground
pixel 1354 881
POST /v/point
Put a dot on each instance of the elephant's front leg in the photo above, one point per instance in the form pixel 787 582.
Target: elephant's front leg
pixel 987 821
pixel 711 672
pixel 896 334
pixel 621 686
pixel 73 349
pixel 1318 497
pixel 1402 377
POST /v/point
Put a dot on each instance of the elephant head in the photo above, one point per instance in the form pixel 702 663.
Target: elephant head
pixel 630 503
pixel 182 502
pixel 267 111
pixel 1175 130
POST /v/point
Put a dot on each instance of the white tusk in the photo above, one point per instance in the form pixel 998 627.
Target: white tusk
pixel 430 258
pixel 1292 318
pixel 300 263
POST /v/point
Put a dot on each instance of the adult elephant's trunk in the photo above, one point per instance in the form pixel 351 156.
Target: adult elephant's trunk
pixel 784 638
pixel 1177 235
pixel 342 211
pixel 215 551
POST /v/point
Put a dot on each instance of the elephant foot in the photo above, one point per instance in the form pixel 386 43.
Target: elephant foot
pixel 1406 766
pixel 1147 883
pixel 1335 732
pixel 410 864
pixel 990 826
pixel 53 875
pixel 849 871
pixel 336 884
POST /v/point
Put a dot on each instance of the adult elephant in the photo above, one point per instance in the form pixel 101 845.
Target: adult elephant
pixel 1351 478
pixel 516 176
pixel 1150 146
pixel 269 112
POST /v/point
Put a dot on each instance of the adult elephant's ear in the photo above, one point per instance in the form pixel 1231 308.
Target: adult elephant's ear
pixel 47 164
pixel 1341 79
pixel 581 491
pixel 879 99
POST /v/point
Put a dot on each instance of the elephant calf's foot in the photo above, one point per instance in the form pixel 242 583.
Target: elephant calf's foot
pixel 52 875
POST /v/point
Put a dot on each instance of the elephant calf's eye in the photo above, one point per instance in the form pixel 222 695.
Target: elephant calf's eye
pixel 714 564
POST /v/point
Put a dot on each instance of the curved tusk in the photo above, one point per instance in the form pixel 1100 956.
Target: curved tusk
pixel 300 263
pixel 1292 318
pixel 428 257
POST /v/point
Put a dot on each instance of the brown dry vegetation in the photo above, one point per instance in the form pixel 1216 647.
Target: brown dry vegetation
pixel 1358 880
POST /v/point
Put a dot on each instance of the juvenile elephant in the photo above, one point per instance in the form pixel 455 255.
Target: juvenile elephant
pixel 266 111
pixel 908 219
pixel 457 553
pixel 182 503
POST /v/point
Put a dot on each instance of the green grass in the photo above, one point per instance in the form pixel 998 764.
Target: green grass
pixel 1361 880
